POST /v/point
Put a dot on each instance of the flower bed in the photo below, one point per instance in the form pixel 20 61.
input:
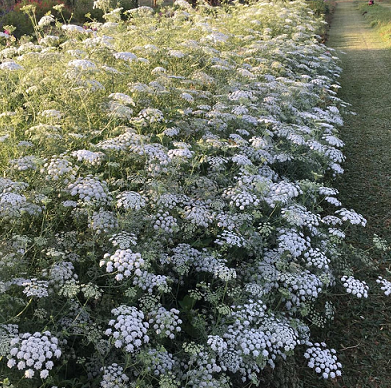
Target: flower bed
pixel 165 208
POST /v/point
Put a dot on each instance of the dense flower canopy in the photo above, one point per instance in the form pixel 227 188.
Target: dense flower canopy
pixel 165 204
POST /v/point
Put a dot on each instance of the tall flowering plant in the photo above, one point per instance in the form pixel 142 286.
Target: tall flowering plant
pixel 165 208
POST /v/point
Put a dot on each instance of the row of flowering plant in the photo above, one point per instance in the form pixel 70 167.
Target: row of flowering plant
pixel 165 214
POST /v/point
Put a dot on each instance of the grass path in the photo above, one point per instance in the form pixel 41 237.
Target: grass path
pixel 366 84
pixel 364 327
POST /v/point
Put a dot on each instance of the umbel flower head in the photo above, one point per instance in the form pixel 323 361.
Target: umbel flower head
pixel 33 353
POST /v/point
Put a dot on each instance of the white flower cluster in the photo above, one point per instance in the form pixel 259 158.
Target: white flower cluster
pixel 353 217
pixel 129 330
pixel 217 175
pixel 282 192
pixel 122 142
pixel 103 221
pixel 131 200
pixel 160 362
pixel 298 215
pixel 123 240
pixel 93 158
pixel 201 369
pixel 35 287
pixel 7 332
pixel 90 189
pixel 148 281
pixel 186 257
pixel 241 198
pixel 302 286
pixel 386 285
pixel 82 64
pixel 11 66
pixel 355 287
pixel 323 360
pixel 119 111
pixel 198 214
pixel 282 337
pixel 314 257
pixel 293 242
pixel 113 377
pixel 122 98
pixel 124 262
pixel 51 114
pixel 217 344
pixel 29 162
pixel 166 323
pixel 230 239
pixel 59 167
pixel 34 352
pixel 164 222
pixel 151 115
pixel 12 205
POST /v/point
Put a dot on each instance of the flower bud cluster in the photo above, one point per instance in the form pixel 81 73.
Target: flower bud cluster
pixel 166 323
pixel 164 222
pixel 323 360
pixel 354 286
pixel 386 285
pixel 316 258
pixel 113 377
pixel 129 330
pixel 125 262
pixel 34 352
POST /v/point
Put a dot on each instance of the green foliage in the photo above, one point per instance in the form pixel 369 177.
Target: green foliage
pixel 19 20
pixel 320 7
pixel 379 17
pixel 85 7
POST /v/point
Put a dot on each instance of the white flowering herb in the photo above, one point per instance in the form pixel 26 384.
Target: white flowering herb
pixel 34 353
pixel 355 287
pixel 166 205
pixel 323 360
pixel 128 330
